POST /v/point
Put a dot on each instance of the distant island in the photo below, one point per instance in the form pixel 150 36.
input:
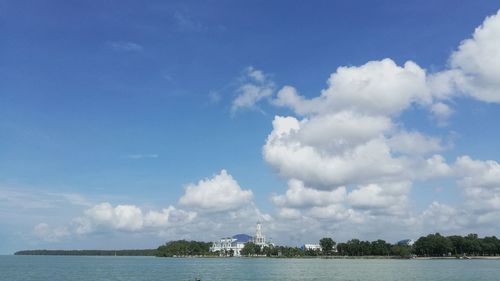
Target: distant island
pixel 143 252
pixel 432 245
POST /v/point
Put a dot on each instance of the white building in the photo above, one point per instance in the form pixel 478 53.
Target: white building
pixel 315 247
pixel 233 245
pixel 259 238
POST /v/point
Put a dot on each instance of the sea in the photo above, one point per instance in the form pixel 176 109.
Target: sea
pixel 79 268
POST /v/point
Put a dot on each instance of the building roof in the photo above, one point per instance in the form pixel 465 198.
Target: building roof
pixel 408 242
pixel 243 238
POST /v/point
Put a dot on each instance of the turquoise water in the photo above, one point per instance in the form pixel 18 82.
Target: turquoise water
pixel 54 268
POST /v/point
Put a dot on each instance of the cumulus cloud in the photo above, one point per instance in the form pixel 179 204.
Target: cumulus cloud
pixel 213 206
pixel 442 112
pixel 289 213
pixel 331 159
pixel 375 88
pixel 414 143
pixel 439 217
pixel 298 196
pixel 478 173
pixel 122 217
pixel 474 66
pixel 50 234
pixel 348 137
pixel 478 59
pixel 257 86
pixel 129 218
pixel 334 213
pixel 349 161
pixel 480 181
pixel 480 208
pixel 219 193
pixel 377 196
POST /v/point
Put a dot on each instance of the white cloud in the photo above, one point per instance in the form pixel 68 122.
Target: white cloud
pixel 348 136
pixel 50 234
pixel 440 217
pixel 474 67
pixel 324 159
pixel 349 161
pixel 121 217
pixel 434 167
pixel 391 196
pixel 414 143
pixel 257 87
pixel 220 193
pixel 477 173
pixel 298 196
pixel 442 112
pixel 478 59
pixel 480 181
pixel 256 74
pixel 375 88
pixel 289 213
pixel 125 46
pixel 212 207
pixel 168 216
pixel 186 23
pixel 130 218
pixel 158 219
pixel 336 132
pixel 334 212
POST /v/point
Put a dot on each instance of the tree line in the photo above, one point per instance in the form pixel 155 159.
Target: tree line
pixel 356 247
pixel 470 245
pixel 329 247
pixel 142 252
pixel 432 245
pixel 181 248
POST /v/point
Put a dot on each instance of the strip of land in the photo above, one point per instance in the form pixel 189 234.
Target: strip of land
pixel 138 252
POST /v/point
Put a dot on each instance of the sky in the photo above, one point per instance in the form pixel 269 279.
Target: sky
pixel 125 124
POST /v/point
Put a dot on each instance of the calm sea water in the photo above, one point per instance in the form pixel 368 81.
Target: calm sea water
pixel 53 268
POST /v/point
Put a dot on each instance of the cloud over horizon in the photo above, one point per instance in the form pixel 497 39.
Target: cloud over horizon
pixel 350 138
pixel 349 161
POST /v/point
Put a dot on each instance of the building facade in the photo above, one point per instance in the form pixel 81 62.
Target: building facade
pixel 259 238
pixel 232 246
pixel 314 247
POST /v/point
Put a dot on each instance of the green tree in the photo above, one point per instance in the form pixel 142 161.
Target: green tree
pixel 380 248
pixel 433 245
pixel 184 248
pixel 250 249
pixel 403 251
pixel 327 245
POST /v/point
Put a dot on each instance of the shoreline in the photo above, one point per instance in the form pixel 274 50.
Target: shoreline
pixel 306 257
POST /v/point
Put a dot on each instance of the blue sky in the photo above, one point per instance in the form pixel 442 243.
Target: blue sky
pixel 129 104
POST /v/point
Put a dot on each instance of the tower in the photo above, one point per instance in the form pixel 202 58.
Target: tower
pixel 259 238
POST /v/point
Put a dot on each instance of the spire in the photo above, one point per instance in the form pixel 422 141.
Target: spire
pixel 258 231
pixel 259 238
